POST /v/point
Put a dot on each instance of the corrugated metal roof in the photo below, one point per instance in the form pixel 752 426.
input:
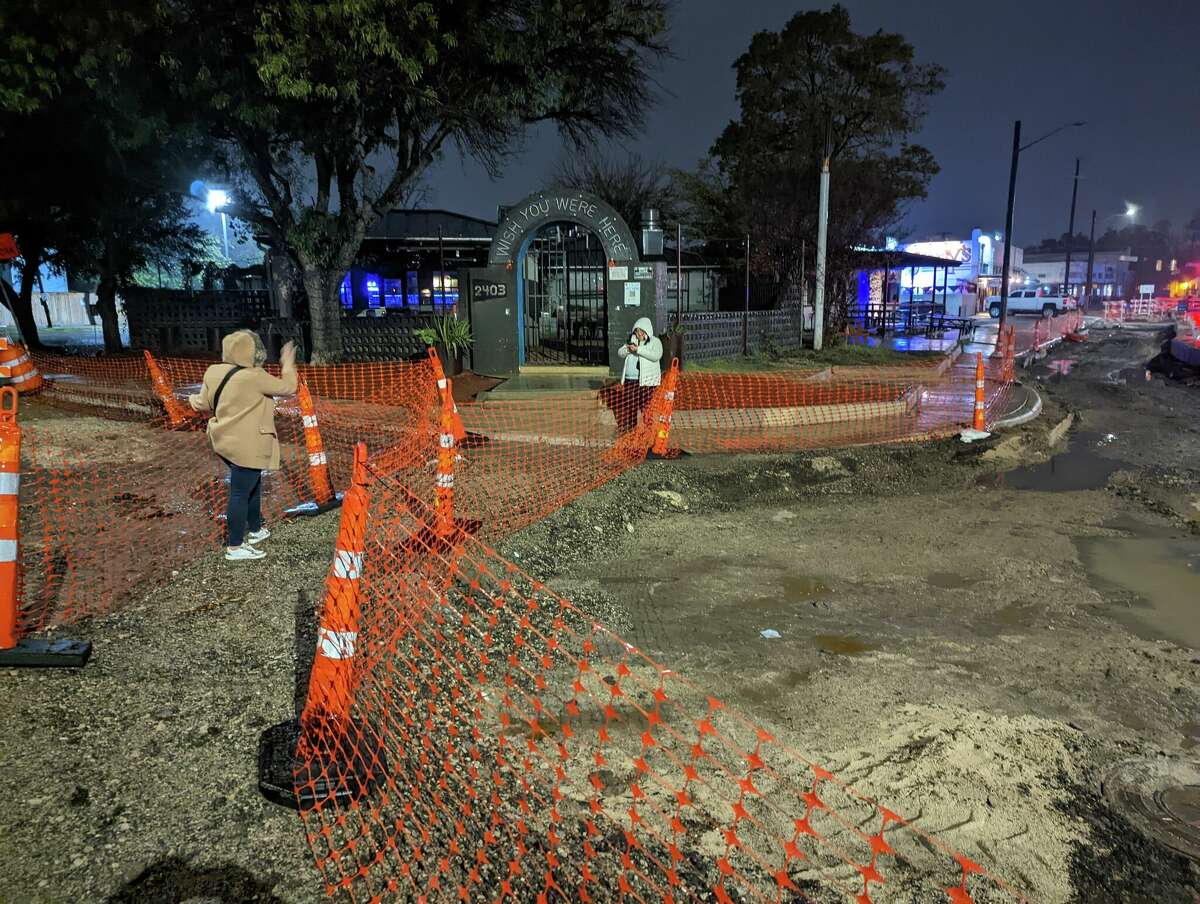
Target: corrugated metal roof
pixel 424 224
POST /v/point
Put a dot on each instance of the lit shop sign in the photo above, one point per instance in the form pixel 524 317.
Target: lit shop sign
pixel 954 251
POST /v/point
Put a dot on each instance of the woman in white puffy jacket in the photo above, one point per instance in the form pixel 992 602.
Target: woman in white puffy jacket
pixel 642 355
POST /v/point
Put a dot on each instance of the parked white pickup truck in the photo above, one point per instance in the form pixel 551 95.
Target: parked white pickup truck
pixel 1033 301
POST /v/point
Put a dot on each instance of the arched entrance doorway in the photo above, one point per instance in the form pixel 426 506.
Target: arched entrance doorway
pixel 564 277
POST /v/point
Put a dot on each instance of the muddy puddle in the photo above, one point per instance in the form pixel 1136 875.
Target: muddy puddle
pixel 841 645
pixel 1085 465
pixel 1162 572
pixel 950 580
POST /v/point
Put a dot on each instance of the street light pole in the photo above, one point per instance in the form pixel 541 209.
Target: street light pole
pixel 1008 225
pixel 822 248
pixel 1087 292
pixel 1071 232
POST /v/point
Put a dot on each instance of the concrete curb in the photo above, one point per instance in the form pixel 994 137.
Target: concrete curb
pixel 1022 417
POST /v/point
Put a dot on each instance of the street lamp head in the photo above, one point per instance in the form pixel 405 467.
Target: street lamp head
pixel 216 199
pixel 1131 210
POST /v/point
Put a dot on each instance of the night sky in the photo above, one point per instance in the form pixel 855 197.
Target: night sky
pixel 1130 69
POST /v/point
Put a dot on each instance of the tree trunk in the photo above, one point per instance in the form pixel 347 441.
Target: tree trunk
pixel 106 301
pixel 23 303
pixel 325 313
pixel 283 279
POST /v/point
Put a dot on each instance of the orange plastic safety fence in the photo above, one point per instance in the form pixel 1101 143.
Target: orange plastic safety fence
pixel 109 487
pixel 114 500
pixel 1035 333
pixel 502 745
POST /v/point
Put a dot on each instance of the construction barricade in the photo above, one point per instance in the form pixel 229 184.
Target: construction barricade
pixel 518 750
pixel 126 490
pixel 17 367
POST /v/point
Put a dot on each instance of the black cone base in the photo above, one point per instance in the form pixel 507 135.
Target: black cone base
pixel 47 654
pixel 350 769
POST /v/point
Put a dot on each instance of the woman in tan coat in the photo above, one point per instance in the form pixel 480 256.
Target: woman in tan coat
pixel 240 395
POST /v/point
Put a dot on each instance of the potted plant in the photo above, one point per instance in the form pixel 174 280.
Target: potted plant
pixel 672 340
pixel 452 339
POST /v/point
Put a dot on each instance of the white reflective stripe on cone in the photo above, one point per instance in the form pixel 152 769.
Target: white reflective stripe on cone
pixel 347 565
pixel 442 383
pixel 447 441
pixel 337 644
pixel 317 458
pixel 310 420
pixel 8 550
pixel 18 362
pixel 10 484
pixel 445 481
pixel 23 377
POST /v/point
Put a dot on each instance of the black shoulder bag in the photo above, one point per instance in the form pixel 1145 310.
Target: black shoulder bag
pixel 221 387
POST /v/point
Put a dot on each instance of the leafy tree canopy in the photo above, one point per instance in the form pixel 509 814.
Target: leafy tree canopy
pixel 817 80
pixel 97 171
pixel 330 111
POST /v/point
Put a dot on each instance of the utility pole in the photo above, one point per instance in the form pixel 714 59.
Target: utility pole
pixel 1071 233
pixel 442 272
pixel 822 241
pixel 746 312
pixel 1087 292
pixel 1008 226
pixel 678 273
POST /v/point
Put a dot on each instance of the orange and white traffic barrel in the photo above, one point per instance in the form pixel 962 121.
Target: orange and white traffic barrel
pixel 980 394
pixel 10 489
pixel 16 365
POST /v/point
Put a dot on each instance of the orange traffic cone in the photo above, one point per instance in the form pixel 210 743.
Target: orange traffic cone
pixel 14 651
pixel 177 414
pixel 324 498
pixel 446 392
pixel 443 501
pixel 336 759
pixel 665 410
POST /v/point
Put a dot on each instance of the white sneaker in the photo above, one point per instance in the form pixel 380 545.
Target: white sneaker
pixel 258 536
pixel 243 553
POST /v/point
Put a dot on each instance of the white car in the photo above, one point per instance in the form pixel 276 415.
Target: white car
pixel 1033 301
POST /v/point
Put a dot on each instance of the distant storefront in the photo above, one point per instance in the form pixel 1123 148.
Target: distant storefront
pixel 1113 272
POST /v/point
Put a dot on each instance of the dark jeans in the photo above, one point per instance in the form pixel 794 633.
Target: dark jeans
pixel 629 403
pixel 245 503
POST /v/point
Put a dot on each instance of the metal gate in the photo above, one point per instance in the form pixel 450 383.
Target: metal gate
pixel 566 297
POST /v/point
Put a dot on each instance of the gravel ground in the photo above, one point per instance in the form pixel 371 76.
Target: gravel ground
pixel 949 643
